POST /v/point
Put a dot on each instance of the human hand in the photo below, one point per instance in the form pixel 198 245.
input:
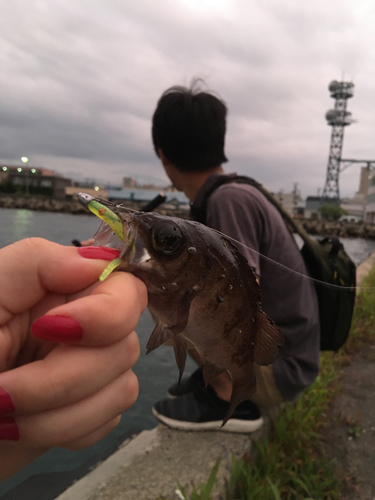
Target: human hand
pixel 84 243
pixel 67 346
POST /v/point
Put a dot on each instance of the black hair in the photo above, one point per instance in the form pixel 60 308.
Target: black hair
pixel 189 126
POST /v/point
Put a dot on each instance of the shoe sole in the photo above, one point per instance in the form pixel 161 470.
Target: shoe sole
pixel 233 424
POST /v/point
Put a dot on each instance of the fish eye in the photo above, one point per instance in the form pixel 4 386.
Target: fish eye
pixel 167 238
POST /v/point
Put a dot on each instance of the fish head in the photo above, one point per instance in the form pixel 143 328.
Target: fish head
pixel 158 249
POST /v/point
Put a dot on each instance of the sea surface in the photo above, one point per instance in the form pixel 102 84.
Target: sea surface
pixel 156 372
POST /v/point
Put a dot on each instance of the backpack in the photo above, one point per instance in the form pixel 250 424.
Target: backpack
pixel 325 260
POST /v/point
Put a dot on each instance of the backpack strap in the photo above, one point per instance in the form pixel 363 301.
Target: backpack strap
pixel 200 214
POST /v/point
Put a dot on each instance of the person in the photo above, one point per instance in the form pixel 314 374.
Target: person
pixel 188 133
pixel 67 346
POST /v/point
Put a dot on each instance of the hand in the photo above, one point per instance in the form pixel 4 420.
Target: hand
pixel 67 346
pixel 84 243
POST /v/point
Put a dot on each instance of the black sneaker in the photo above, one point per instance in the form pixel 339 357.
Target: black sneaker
pixel 186 385
pixel 203 410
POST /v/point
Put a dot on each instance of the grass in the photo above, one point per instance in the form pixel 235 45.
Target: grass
pixel 291 465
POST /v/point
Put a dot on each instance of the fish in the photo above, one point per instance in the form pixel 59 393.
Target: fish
pixel 202 293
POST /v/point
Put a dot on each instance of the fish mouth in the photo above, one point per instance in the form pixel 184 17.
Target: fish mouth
pixel 132 250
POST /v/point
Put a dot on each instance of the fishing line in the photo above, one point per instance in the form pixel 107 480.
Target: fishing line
pixel 262 256
pixel 304 276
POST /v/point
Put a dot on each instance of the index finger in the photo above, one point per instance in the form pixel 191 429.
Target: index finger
pixel 30 267
pixel 104 316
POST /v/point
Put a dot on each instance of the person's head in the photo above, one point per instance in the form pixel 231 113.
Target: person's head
pixel 188 128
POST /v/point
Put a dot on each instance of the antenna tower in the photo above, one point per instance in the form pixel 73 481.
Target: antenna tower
pixel 337 118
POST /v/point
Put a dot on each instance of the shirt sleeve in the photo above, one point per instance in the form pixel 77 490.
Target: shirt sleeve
pixel 236 211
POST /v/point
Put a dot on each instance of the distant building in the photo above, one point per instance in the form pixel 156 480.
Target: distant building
pixel 291 202
pixel 364 182
pixel 128 182
pixel 97 192
pixel 176 198
pixel 32 180
pixel 312 206
pixel 356 206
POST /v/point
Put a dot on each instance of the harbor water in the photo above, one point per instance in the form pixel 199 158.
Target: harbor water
pixel 155 372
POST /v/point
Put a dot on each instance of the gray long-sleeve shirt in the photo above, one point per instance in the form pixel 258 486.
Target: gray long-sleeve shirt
pixel 242 212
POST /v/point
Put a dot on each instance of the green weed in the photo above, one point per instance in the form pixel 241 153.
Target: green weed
pixel 205 489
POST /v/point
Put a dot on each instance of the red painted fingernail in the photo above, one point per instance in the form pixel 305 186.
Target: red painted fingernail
pixel 103 253
pixel 6 403
pixel 57 328
pixel 9 429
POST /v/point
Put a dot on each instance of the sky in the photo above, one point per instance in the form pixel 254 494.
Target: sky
pixel 80 80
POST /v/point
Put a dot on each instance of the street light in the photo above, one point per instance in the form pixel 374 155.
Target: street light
pixel 25 159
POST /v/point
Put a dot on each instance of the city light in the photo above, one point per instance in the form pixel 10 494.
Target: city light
pixel 5 169
pixel 19 169
pixel 96 188
pixel 33 171
pixel 24 159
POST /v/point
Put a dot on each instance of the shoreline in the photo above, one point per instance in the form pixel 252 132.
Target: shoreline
pixel 73 206
pixel 312 226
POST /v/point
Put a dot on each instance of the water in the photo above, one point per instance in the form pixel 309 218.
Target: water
pixel 358 249
pixel 155 371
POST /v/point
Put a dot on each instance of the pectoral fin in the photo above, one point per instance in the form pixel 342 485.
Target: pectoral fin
pixel 183 312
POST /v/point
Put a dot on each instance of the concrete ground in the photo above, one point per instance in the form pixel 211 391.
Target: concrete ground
pixel 155 462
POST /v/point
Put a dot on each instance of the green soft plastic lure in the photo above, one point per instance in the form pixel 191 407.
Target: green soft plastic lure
pixel 103 213
pixel 111 267
pixel 111 219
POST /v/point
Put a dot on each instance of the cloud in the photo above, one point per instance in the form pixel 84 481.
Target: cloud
pixel 81 81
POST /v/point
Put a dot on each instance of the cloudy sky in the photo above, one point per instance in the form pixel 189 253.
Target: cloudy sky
pixel 80 80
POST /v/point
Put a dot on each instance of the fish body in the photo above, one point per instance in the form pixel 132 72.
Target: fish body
pixel 201 292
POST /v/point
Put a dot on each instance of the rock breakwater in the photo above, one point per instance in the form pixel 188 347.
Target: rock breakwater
pixel 42 204
pixel 314 227
pixel 340 229
pixel 74 207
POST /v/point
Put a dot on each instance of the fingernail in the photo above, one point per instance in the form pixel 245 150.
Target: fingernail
pixel 57 328
pixel 9 429
pixel 6 403
pixel 103 253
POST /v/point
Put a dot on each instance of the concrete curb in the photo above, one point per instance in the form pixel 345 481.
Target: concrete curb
pixel 364 268
pixel 155 462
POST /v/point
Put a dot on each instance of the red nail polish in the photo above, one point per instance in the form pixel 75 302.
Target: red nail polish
pixel 103 253
pixel 9 429
pixel 6 403
pixel 57 328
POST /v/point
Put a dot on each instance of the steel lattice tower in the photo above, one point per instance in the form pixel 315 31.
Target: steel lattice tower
pixel 337 118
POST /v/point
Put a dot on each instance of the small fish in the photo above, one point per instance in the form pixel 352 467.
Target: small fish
pixel 201 291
